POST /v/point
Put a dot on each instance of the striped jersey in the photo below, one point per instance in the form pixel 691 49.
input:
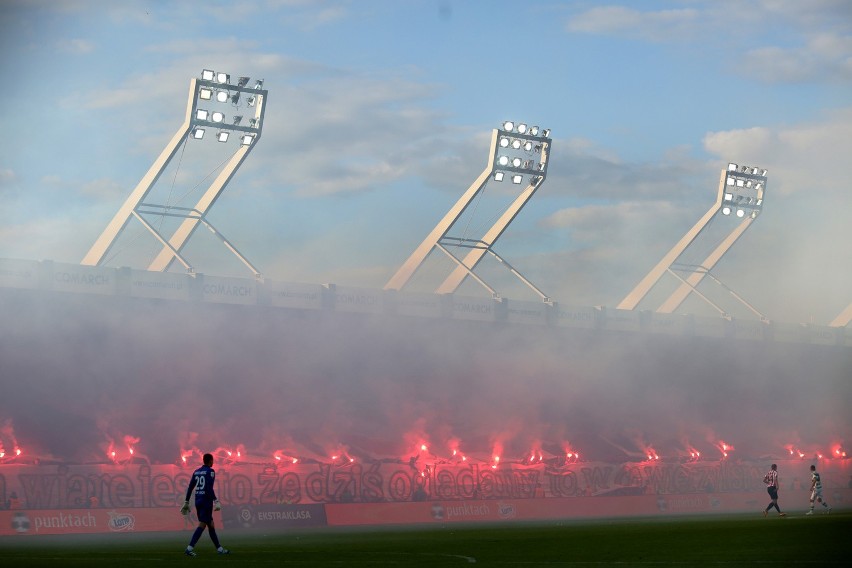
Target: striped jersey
pixel 771 478
pixel 815 481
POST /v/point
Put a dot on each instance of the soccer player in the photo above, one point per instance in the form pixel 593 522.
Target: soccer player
pixel 771 481
pixel 205 503
pixel 816 491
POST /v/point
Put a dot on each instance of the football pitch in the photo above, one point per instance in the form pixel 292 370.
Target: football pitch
pixel 739 540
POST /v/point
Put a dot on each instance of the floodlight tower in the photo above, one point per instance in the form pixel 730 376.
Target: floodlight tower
pixel 843 318
pixel 214 88
pixel 741 190
pixel 518 153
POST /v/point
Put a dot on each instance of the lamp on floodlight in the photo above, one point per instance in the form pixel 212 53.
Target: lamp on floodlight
pixel 211 89
pixel 510 149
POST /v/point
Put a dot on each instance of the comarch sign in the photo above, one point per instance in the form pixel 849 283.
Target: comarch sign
pixel 228 290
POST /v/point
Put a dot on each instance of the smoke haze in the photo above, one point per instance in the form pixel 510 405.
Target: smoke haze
pixel 81 373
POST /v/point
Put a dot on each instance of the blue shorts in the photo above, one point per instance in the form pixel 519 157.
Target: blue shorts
pixel 204 511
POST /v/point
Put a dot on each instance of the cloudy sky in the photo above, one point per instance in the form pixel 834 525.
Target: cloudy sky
pixel 379 116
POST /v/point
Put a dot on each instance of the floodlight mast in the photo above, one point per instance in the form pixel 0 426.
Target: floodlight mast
pixel 741 192
pixel 195 123
pixel 843 318
pixel 501 164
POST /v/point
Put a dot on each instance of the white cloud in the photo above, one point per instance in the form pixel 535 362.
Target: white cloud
pixel 660 25
pixel 823 58
pixel 77 46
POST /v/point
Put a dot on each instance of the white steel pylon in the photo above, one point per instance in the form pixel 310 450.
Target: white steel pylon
pixel 212 88
pixel 741 191
pixel 518 153
pixel 843 318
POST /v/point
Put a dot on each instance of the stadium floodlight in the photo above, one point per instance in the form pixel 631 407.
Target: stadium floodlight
pixel 250 101
pixel 843 318
pixel 242 81
pixel 507 162
pixel 258 84
pixel 238 119
pixel 206 89
pixel 222 96
pixel 235 98
pixel 741 192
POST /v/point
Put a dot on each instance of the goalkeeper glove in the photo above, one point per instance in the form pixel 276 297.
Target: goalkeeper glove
pixel 216 505
pixel 185 509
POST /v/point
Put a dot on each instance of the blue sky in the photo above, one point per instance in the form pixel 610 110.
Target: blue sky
pixel 379 115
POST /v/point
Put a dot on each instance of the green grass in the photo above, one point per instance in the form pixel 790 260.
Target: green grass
pixel 738 540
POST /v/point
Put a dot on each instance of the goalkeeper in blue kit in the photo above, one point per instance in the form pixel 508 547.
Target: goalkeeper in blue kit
pixel 205 503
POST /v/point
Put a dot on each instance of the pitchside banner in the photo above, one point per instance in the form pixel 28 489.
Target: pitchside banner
pixel 228 290
pixel 117 487
pixel 86 521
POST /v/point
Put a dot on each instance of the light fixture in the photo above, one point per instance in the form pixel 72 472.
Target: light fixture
pixel 207 75
pixel 729 196
pixel 522 128
pixel 252 123
pixel 235 98
pixel 246 139
pixel 222 96
pixel 534 130
pixel 754 214
pixel 545 133
pixel 498 176
pixel 504 142
pixel 250 101
pixel 198 133
pixel 201 114
pixel 516 144
pixel 732 167
pixel 516 162
pixel 509 125
pixel 222 77
pixel 238 119
pixel 726 210
pixel 217 116
pixel 740 213
pixel 242 81
pixel 517 178
pixel 222 136
pixel 503 160
pixel 528 145
pixel 205 94
pixel 258 84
